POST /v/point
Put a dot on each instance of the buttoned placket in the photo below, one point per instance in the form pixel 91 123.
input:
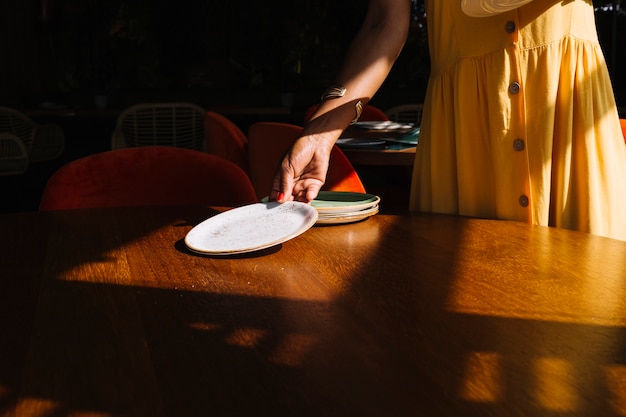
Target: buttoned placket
pixel 516 94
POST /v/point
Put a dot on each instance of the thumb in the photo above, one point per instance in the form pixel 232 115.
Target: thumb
pixel 312 191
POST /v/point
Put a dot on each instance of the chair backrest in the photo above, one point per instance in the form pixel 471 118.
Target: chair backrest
pixel 160 124
pixel 145 176
pixel 13 155
pixel 16 122
pixel 370 113
pixel 267 144
pixel 224 138
pixel 623 124
pixel 406 113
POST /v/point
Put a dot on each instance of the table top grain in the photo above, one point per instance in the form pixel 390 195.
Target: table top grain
pixel 106 312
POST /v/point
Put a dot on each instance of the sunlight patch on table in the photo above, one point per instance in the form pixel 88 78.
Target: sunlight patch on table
pixel 616 383
pixel 246 337
pixel 110 268
pixel 115 269
pixel 27 406
pixel 554 389
pixel 586 300
pixel 525 280
pixel 482 378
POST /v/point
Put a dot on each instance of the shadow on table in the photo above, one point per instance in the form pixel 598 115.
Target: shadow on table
pixel 390 344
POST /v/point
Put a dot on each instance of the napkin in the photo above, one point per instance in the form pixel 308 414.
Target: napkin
pixel 484 8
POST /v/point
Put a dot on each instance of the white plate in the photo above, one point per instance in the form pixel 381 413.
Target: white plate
pixel 348 218
pixel 251 228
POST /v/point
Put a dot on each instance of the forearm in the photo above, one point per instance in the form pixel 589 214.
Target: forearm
pixel 367 63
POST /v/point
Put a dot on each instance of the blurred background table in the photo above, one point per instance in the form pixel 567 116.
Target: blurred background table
pixel 390 157
pixel 105 312
pixel 398 149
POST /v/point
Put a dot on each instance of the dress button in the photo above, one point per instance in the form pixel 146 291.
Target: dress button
pixel 523 201
pixel 518 145
pixel 510 26
pixel 514 87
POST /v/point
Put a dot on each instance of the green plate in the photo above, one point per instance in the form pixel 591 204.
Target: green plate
pixel 407 139
pixel 341 201
pixel 344 201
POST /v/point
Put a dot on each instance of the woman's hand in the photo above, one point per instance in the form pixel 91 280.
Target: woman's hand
pixel 303 170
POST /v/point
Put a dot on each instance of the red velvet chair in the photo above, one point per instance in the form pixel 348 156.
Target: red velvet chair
pixel 225 139
pixel 267 144
pixel 369 114
pixel 623 123
pixel 145 176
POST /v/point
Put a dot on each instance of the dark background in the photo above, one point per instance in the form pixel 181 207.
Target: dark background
pixel 61 54
pixel 213 52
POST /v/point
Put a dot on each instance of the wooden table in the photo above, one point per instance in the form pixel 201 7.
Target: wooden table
pixel 106 313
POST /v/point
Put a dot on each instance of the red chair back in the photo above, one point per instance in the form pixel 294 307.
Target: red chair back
pixel 623 123
pixel 369 114
pixel 267 144
pixel 146 176
pixel 224 138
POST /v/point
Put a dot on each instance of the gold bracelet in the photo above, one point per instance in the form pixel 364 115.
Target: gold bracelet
pixel 334 91
pixel 358 106
pixel 337 91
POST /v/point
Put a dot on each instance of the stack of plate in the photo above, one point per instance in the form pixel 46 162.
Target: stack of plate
pixel 337 207
pixel 262 225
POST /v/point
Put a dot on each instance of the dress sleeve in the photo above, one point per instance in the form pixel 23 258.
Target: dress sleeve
pixel 483 8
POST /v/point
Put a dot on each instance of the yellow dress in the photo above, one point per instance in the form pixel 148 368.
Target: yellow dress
pixel 520 120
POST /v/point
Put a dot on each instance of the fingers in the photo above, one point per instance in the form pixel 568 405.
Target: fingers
pixel 287 188
pixel 282 187
pixel 302 172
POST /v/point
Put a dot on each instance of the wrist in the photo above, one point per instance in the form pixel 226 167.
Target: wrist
pixel 338 91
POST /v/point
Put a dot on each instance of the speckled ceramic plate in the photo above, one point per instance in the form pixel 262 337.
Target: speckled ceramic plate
pixel 251 228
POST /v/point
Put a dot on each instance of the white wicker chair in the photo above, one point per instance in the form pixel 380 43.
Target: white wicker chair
pixel 406 113
pixel 43 142
pixel 162 124
pixel 13 155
